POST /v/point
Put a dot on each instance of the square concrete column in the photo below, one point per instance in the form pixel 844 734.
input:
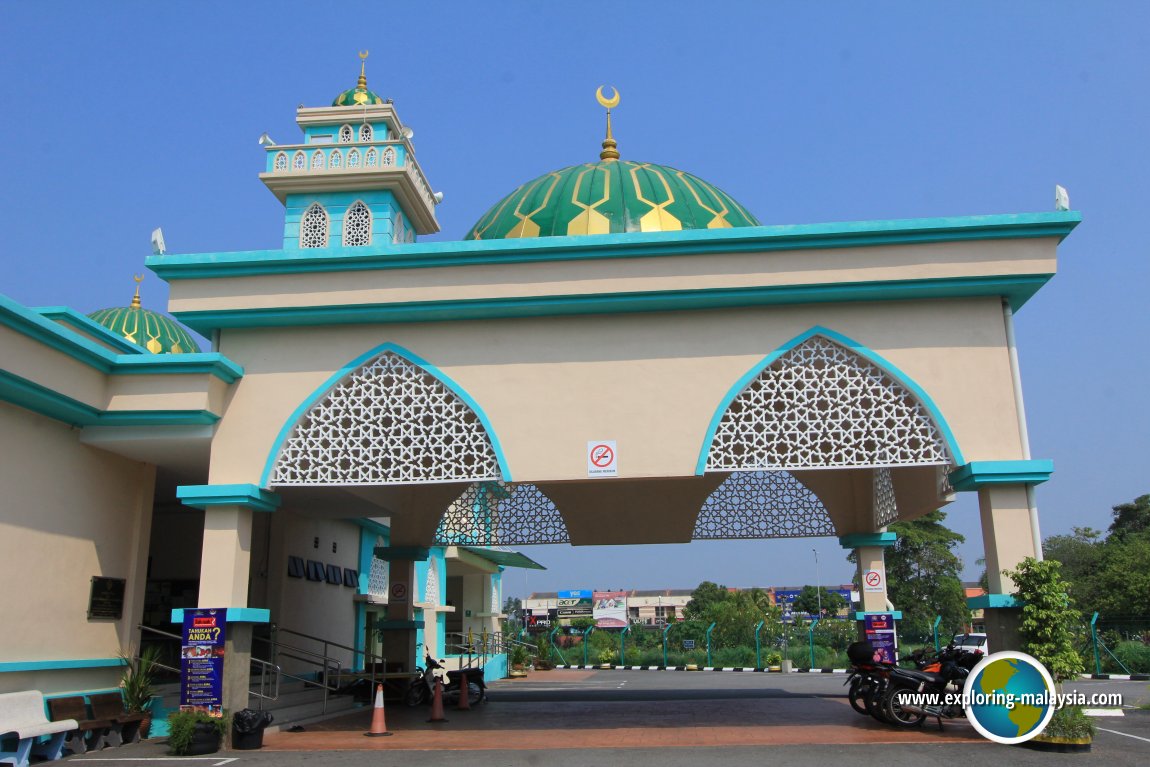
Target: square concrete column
pixel 225 573
pixel 398 630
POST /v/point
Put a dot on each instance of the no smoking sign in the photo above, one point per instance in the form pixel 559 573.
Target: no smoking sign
pixel 602 458
pixel 873 581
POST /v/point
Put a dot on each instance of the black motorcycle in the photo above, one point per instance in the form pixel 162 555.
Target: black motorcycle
pixel 867 678
pixel 942 680
pixel 421 690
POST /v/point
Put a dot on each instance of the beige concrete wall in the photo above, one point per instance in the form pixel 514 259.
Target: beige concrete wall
pixel 69 512
pixel 620 275
pixel 310 607
pixel 649 381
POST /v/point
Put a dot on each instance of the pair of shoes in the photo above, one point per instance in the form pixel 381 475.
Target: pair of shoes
pixel 295 728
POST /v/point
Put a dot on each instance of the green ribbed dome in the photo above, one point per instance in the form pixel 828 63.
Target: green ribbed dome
pixel 356 97
pixel 145 328
pixel 610 196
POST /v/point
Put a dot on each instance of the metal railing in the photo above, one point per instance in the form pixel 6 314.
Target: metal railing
pixel 259 669
pixel 330 674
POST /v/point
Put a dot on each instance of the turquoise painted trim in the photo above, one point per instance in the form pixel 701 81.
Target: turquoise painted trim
pixel 355 364
pixel 862 615
pixel 58 665
pixel 993 601
pixel 210 363
pixel 51 404
pixel 630 245
pixel 205 496
pixel 234 615
pixel 403 625
pixel 1017 289
pixel 84 324
pixel 978 474
pixel 855 540
pixel 857 348
pixel 408 553
pixel 375 528
pixel 32 324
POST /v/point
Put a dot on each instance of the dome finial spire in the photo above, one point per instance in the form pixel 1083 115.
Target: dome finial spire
pixel 609 151
pixel 136 298
pixel 362 69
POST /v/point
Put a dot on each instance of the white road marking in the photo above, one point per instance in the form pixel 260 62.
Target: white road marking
pixel 1103 712
pixel 1126 734
pixel 215 759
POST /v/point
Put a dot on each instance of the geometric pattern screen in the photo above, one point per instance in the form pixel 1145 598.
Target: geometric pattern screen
pixel 500 514
pixel 822 405
pixel 389 421
pixel 885 508
pixel 762 504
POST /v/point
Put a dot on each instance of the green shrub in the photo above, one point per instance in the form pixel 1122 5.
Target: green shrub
pixel 1069 723
pixel 1134 656
pixel 774 658
pixel 182 727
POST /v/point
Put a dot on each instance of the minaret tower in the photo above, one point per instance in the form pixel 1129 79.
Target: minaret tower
pixel 354 181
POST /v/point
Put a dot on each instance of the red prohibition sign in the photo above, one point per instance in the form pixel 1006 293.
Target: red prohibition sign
pixel 873 579
pixel 602 456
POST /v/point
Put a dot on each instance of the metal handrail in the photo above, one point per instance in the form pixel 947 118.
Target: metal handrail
pixel 331 667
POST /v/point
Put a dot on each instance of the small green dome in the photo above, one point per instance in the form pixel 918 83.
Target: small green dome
pixel 150 330
pixel 610 196
pixel 356 97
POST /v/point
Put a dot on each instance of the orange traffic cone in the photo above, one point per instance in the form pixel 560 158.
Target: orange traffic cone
pixel 378 723
pixel 463 704
pixel 437 703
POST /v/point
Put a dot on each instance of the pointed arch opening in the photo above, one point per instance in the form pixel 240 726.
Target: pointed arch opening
pixel 501 514
pixel 357 225
pixel 386 418
pixel 820 402
pixel 313 227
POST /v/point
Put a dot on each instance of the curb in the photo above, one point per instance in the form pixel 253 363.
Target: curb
pixel 1118 677
pixel 737 669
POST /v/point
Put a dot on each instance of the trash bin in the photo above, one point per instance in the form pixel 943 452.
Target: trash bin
pixel 248 729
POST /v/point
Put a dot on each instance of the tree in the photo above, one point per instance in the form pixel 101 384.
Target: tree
pixel 1048 616
pixel 809 600
pixel 735 613
pixel 1131 518
pixel 922 575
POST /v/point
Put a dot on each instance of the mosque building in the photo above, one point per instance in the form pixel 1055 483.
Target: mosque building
pixel 618 352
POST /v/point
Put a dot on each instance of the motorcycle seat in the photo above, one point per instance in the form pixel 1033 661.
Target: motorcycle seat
pixel 918 676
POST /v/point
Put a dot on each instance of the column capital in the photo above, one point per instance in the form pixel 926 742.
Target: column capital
pixel 232 614
pixel 857 540
pixel 412 553
pixel 993 601
pixel 977 474
pixel 204 496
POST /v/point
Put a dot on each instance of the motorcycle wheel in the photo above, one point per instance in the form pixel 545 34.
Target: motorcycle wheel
pixel 416 694
pixel 893 709
pixel 857 696
pixel 475 693
pixel 873 702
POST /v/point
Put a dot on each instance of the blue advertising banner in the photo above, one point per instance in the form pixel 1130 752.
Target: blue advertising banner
pixel 575 604
pixel 202 661
pixel 880 632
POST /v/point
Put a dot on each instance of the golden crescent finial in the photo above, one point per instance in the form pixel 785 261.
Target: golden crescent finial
pixel 607 103
pixel 609 146
pixel 364 54
pixel 136 298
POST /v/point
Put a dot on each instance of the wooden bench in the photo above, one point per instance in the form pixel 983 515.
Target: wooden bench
pixel 125 726
pixel 90 734
pixel 22 719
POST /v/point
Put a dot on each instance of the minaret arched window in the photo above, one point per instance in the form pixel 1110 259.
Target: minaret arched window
pixel 353 158
pixel 365 132
pixel 357 225
pixel 317 161
pixel 313 227
pixel 389 156
pixel 299 162
pixel 336 160
pixel 281 162
pixel 372 158
pixel 345 134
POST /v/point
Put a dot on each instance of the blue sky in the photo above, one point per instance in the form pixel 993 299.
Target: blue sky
pixel 119 117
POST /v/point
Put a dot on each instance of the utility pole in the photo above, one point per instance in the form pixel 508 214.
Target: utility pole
pixel 818 588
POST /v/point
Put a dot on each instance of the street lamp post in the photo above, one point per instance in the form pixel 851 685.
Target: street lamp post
pixel 818 588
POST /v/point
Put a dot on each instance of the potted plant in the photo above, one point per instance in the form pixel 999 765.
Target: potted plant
pixel 195 732
pixel 136 684
pixel 518 658
pixel 606 658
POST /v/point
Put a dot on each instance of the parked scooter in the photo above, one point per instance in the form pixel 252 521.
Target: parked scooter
pixel 421 690
pixel 943 678
pixel 867 678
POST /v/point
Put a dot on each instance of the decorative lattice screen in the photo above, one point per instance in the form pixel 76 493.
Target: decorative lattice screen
pixel 357 225
pixel 313 227
pixel 431 584
pixel 499 514
pixel 762 504
pixel 821 405
pixel 389 421
pixel 885 508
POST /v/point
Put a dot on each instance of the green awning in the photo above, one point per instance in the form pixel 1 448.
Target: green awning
pixel 505 558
